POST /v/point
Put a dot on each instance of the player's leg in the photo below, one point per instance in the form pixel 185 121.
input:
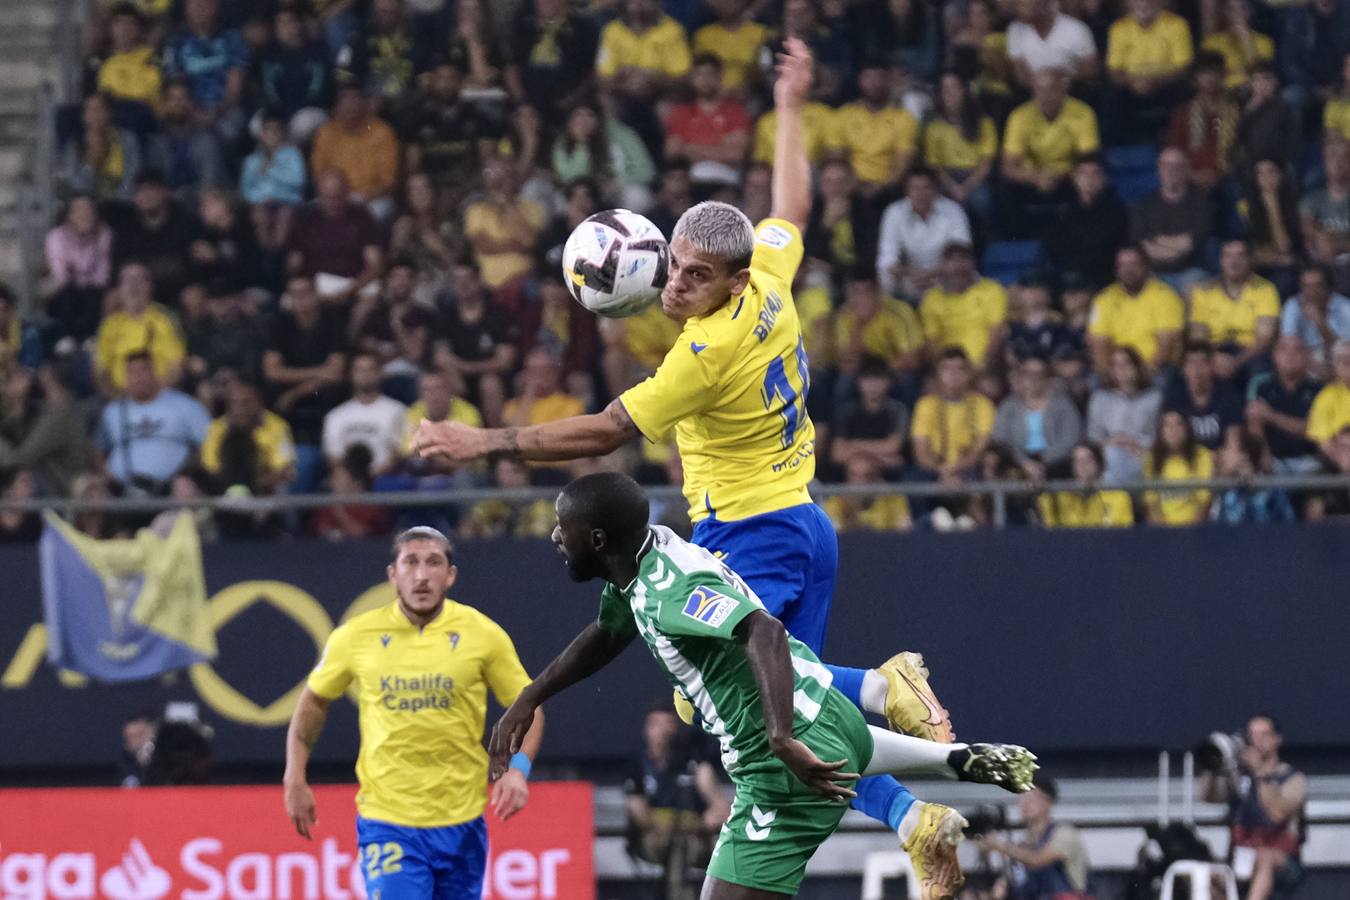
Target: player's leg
pixel 1004 765
pixel 717 889
pixel 460 860
pixel 394 861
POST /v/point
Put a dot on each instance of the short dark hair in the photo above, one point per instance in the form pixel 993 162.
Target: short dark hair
pixel 921 172
pixel 1047 786
pixel 1201 348
pixel 873 367
pixel 611 502
pixel 1322 269
pixel 958 248
pixel 422 533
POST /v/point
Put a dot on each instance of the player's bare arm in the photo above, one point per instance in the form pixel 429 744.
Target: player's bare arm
pixel 511 789
pixel 588 653
pixel 306 726
pixel 766 648
pixel 577 437
pixel 791 199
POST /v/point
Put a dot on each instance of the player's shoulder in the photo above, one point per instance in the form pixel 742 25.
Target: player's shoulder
pixel 376 618
pixel 471 618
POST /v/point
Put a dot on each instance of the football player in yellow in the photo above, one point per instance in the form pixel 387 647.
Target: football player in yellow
pixel 733 391
pixel 421 667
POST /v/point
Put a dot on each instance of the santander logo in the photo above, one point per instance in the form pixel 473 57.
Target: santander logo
pixel 137 878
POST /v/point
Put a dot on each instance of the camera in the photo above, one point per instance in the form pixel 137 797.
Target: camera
pixel 1218 753
pixel 986 819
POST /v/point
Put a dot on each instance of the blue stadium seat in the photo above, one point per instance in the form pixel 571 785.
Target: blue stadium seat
pixel 1007 261
pixel 1133 170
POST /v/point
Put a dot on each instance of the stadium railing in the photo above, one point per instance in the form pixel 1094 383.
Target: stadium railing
pixel 1000 493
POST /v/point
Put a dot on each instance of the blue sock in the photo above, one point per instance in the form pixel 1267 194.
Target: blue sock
pixel 883 798
pixel 849 682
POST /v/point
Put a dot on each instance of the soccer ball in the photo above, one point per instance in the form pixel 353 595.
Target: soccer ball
pixel 615 263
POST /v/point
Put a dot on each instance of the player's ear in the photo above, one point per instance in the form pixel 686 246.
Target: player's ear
pixel 389 570
pixel 739 281
pixel 451 575
pixel 598 539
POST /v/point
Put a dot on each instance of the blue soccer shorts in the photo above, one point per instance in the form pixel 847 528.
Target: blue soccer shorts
pixel 789 557
pixel 401 863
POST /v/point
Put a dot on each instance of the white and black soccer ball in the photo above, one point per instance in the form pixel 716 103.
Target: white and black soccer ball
pixel 615 263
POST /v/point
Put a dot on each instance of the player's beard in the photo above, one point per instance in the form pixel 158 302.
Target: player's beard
pixel 583 568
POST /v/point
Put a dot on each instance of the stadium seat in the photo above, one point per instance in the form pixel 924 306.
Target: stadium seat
pixel 881 866
pixel 1133 170
pixel 1007 261
pixel 1200 876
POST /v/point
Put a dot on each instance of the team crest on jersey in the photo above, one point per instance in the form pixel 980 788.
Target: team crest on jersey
pixel 709 607
pixel 384 640
pixel 775 236
pixel 454 640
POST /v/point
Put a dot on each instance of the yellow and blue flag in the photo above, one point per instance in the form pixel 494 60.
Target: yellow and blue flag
pixel 125 610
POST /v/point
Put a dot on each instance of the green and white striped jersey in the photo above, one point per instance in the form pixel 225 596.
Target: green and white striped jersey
pixel 686 604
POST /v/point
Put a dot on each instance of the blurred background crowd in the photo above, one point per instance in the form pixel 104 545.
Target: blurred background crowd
pixel 1090 240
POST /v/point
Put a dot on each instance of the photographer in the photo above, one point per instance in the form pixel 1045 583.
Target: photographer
pixel 675 805
pixel 1050 861
pixel 1265 797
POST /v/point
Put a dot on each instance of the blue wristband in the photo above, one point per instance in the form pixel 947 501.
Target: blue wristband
pixel 522 764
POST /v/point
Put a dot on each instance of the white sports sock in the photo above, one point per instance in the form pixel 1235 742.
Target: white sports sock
pixel 910 820
pixel 873 692
pixel 900 754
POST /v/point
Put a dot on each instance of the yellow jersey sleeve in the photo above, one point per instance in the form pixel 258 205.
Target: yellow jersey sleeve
pixel 503 673
pixel 925 423
pixel 683 385
pixel 1266 303
pixel 1086 137
pixel 1177 33
pixel 607 62
pixel 1169 312
pixel 778 250
pixel 764 138
pixel 984 417
pixel 210 452
pixel 675 57
pixel 1018 131
pixel 333 674
pixel 276 443
pixel 1330 413
pixel 1336 118
pixel 1118 39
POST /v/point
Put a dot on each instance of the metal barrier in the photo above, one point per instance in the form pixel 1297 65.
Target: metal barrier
pixel 999 492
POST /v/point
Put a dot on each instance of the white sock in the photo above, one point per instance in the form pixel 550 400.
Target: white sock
pixel 873 692
pixel 900 754
pixel 910 820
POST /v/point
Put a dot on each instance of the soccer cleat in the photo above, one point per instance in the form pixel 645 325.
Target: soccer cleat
pixel 932 851
pixel 683 708
pixel 911 706
pixel 1006 765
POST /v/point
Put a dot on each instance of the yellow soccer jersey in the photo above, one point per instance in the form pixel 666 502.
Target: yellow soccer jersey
pixel 1051 145
pixel 1093 509
pixel 734 390
pixel 1181 507
pixel 1234 319
pixel 422 700
pixel 817 120
pixel 661 48
pixel 1136 321
pixel 1164 48
pixel 874 140
pixel 738 50
pixel 1236 58
pixel 1336 117
pixel 946 148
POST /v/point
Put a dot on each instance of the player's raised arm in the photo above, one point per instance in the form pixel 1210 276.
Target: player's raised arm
pixel 576 437
pixel 791 169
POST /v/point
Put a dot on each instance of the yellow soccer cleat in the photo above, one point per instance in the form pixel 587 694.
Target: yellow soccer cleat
pixel 911 706
pixel 932 851
pixel 684 709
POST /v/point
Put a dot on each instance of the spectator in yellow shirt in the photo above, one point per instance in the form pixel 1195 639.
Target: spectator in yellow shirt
pixel 1090 506
pixel 1330 412
pixel 1238 307
pixel 736 39
pixel 1177 456
pixel 362 147
pixel 1139 312
pixel 1336 115
pixel 131 72
pixel 879 139
pixel 541 398
pixel 870 325
pixel 137 325
pixel 817 124
pixel 1148 56
pixel 248 445
pixel 1041 140
pixel 965 310
pixel 437 401
pixel 503 227
pixel 884 512
pixel 960 145
pixel 506 518
pixel 642 53
pixel 951 426
pixel 1239 46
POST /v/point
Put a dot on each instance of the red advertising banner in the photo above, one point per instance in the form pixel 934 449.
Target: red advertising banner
pixel 213 843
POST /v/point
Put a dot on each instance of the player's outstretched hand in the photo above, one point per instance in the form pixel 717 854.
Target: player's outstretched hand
pixel 510 793
pixel 456 442
pixel 507 735
pixel 822 777
pixel 793 87
pixel 301 808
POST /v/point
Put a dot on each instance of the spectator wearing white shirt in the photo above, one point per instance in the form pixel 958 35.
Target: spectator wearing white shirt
pixel 1045 38
pixel 914 232
pixel 368 418
pixel 1317 314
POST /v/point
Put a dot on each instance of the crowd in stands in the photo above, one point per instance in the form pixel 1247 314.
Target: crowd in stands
pixel 1098 240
